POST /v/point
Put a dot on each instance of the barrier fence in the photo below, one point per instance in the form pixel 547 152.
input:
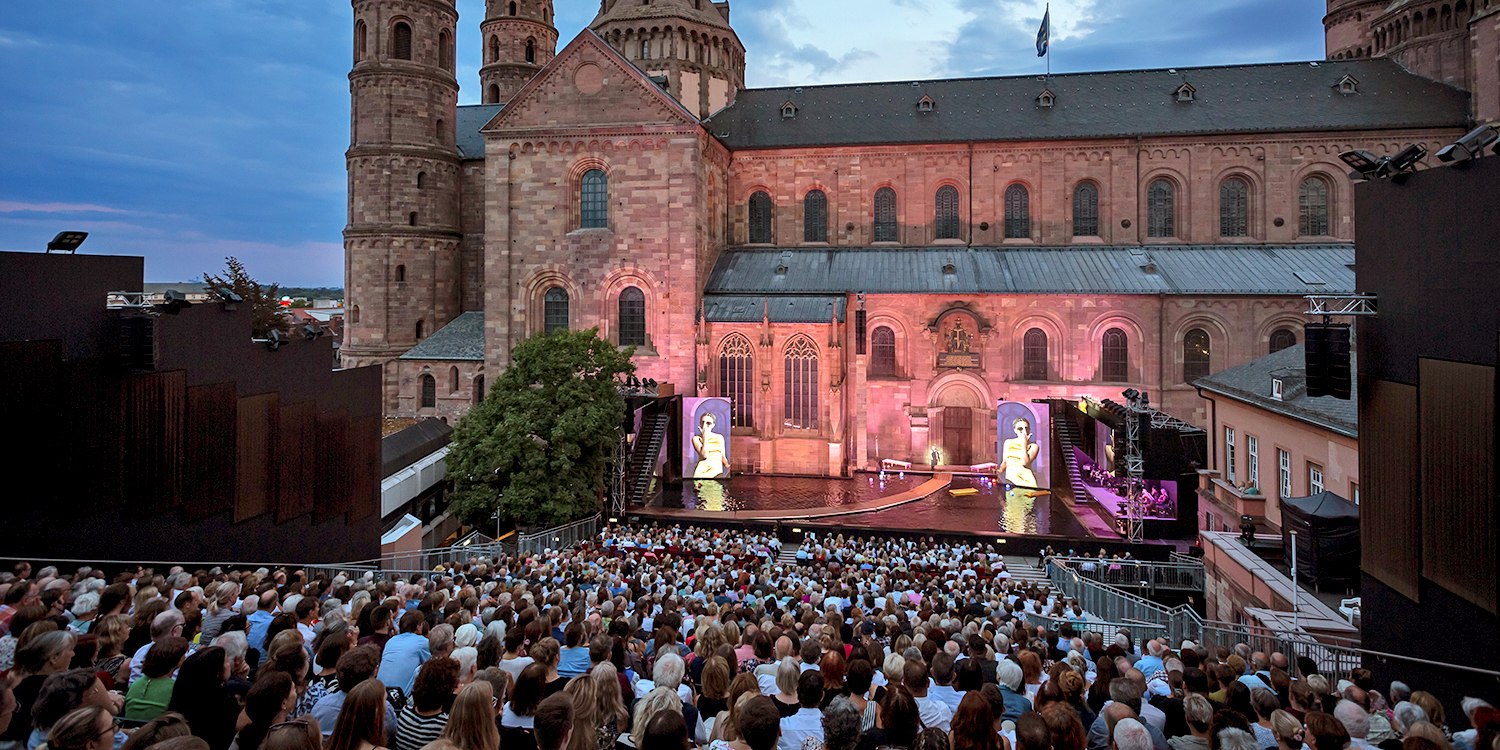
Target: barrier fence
pixel 1173 576
pixel 560 538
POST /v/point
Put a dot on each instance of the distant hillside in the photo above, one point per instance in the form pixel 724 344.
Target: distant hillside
pixel 313 292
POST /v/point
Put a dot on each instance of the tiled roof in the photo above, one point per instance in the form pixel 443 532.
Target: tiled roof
pixel 1251 383
pixel 472 117
pixel 462 339
pixel 1167 269
pixel 724 308
pixel 1278 97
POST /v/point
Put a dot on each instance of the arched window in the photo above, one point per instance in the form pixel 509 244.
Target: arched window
pixel 945 220
pixel 411 219
pixel 401 41
pixel 1196 353
pixel 440 130
pixel 1234 208
pixel 429 391
pixel 530 50
pixel 1017 213
pixel 883 352
pixel 492 94
pixel 1034 355
pixel 453 379
pixel 1086 210
pixel 555 310
pixel 421 329
pixel 645 49
pixel 421 180
pixel 354 314
pixel 885 215
pixel 400 273
pixel 594 200
pixel 1161 209
pixel 815 217
pixel 361 40
pixel 1282 338
pixel 632 317
pixel 512 8
pixel 760 218
pixel 800 363
pixel 1312 207
pixel 445 50
pixel 1115 357
pixel 478 389
pixel 737 379
pixel 494 48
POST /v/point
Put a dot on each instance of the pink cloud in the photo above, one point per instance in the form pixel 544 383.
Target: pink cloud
pixel 11 207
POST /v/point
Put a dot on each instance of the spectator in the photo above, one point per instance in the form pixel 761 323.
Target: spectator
pixel 1130 734
pixel 1325 732
pixel 160 729
pixel 610 715
pixel 472 723
pixel 86 728
pixel 403 655
pixel 807 723
pixel 757 725
pixel 518 717
pixel 1199 714
pixel 110 658
pixel 973 725
pixel 63 693
pixel 785 697
pixel 935 715
pixel 554 723
pixel 354 669
pixel 897 721
pixel 149 696
pixel 40 658
pixel 1063 726
pixel 200 695
pixel 269 701
pixel 426 714
pixel 168 624
pixel 361 723
pixel 1011 675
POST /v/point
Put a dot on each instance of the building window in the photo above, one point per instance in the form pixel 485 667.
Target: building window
pixel 594 200
pixel 885 215
pixel 1354 492
pixel 1283 473
pixel 737 379
pixel 1229 454
pixel 1034 355
pixel 815 217
pixel 883 352
pixel 401 41
pixel 1252 460
pixel 429 391
pixel 645 49
pixel 1086 210
pixel 478 389
pixel 492 94
pixel 945 222
pixel 632 317
pixel 1116 356
pixel 1312 208
pixel 1017 213
pixel 445 50
pixel 760 218
pixel 1282 338
pixel 530 50
pixel 1234 208
pixel 1161 209
pixel 354 314
pixel 494 49
pixel 400 273
pixel 555 310
pixel 800 371
pixel 1196 353
pixel 512 8
pixel 361 40
pixel 421 329
pixel 453 379
pixel 1314 478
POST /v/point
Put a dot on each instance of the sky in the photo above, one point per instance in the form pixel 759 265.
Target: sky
pixel 186 132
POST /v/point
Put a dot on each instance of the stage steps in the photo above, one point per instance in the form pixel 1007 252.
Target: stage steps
pixel 1067 439
pixel 788 555
pixel 1024 569
pixel 643 460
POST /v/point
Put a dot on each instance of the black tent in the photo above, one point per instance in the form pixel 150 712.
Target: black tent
pixel 1327 528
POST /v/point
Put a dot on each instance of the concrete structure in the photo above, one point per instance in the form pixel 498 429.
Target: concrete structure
pixel 811 251
pixel 1267 433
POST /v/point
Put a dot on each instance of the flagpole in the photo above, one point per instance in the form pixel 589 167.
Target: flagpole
pixel 1048 16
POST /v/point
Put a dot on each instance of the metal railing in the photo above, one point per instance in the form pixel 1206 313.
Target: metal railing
pixel 1138 574
pixel 560 538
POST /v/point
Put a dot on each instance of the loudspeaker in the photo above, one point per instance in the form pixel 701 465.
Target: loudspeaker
pixel 1340 378
pixel 859 331
pixel 1327 360
pixel 1315 358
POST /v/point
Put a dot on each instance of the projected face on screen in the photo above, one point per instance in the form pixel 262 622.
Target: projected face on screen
pixel 708 447
pixel 1023 444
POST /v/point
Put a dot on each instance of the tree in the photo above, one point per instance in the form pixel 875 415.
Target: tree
pixel 537 448
pixel 263 300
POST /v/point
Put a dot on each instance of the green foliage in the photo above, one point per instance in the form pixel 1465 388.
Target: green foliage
pixel 263 300
pixel 537 448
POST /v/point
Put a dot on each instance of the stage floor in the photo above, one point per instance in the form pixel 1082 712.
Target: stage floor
pixel 913 502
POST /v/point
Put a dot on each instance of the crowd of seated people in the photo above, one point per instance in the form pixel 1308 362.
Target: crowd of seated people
pixel 654 638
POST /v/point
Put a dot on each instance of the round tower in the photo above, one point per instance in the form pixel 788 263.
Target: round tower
pixel 687 45
pixel 401 246
pixel 520 36
pixel 1347 31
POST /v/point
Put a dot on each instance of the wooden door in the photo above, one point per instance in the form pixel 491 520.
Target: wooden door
pixel 958 435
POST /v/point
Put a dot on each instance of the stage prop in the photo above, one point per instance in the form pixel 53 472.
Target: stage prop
pixel 705 438
pixel 1327 529
pixel 1172 451
pixel 1023 444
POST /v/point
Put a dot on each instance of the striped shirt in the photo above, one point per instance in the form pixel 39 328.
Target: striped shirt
pixel 414 731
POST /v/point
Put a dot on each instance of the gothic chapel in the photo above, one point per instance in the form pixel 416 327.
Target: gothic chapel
pixel 1079 235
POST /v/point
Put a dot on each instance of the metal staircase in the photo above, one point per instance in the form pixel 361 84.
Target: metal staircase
pixel 643 458
pixel 1067 439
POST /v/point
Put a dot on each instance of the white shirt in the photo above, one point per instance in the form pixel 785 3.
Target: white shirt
pixel 1153 716
pixel 946 695
pixel 934 713
pixel 514 666
pixel 807 722
pixel 137 661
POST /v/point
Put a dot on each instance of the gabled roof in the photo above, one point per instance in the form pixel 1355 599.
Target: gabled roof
pixel 1174 269
pixel 1279 97
pixel 1250 383
pixel 471 119
pixel 460 340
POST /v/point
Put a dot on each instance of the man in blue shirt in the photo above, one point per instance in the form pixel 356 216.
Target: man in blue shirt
pixel 353 668
pixel 259 620
pixel 405 653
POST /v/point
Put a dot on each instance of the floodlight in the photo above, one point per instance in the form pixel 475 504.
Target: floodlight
pixel 1471 146
pixel 275 339
pixel 174 301
pixel 1362 162
pixel 66 242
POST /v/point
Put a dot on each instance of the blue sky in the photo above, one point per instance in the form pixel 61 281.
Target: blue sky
pixel 185 132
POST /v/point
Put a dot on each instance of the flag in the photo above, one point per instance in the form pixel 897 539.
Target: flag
pixel 1044 34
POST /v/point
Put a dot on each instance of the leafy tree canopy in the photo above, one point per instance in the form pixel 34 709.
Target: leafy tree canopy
pixel 537 448
pixel 263 300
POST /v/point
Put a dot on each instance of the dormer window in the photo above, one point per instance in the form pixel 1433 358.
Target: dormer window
pixel 788 110
pixel 1276 388
pixel 1348 85
pixel 1186 93
pixel 1046 99
pixel 925 104
pixel 949 269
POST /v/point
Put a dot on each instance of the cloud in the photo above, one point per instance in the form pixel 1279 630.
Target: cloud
pixel 819 42
pixel 12 207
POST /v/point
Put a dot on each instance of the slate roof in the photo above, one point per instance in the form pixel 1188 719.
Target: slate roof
pixel 727 308
pixel 1165 269
pixel 472 117
pixel 1277 97
pixel 404 448
pixel 462 339
pixel 1251 384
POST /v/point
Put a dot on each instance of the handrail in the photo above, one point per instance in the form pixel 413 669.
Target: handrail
pixel 1187 576
pixel 558 538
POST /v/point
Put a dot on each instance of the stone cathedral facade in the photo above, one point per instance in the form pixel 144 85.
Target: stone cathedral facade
pixel 809 251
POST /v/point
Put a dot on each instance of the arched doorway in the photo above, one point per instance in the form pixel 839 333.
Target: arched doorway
pixel 960 403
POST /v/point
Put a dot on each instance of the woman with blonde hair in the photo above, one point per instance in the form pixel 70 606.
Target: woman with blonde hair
pixel 724 726
pixel 610 715
pixel 787 674
pixel 87 728
pixel 585 695
pixel 1434 710
pixel 111 658
pixel 471 723
pixel 659 700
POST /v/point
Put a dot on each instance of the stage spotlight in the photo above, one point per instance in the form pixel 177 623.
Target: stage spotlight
pixel 1471 146
pixel 1362 162
pixel 175 302
pixel 275 339
pixel 1132 394
pixel 1406 161
pixel 66 242
pixel 311 331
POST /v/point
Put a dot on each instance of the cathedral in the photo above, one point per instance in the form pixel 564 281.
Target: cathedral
pixel 864 270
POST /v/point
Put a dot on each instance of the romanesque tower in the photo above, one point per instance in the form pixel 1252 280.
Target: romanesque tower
pixel 1346 28
pixel 687 45
pixel 520 36
pixel 401 261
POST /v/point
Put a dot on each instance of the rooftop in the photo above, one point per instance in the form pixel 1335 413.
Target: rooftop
pixel 461 339
pixel 1251 383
